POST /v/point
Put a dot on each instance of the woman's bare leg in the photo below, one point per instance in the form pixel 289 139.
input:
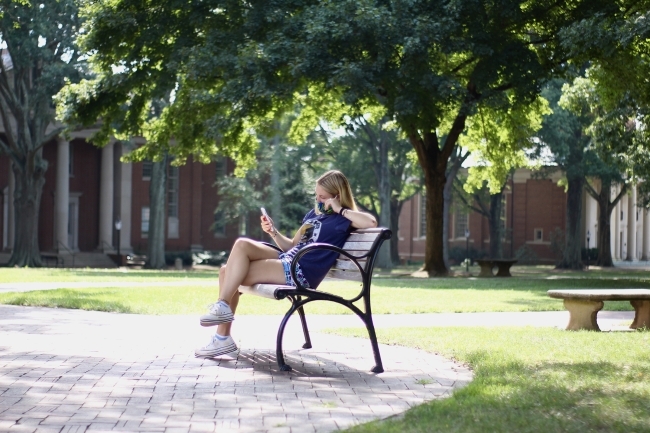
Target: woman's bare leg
pixel 244 252
pixel 224 328
pixel 265 270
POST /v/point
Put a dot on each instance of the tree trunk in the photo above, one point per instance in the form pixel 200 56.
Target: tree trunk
pixel 573 240
pixel 494 219
pixel 605 208
pixel 157 189
pixel 604 232
pixel 276 189
pixel 458 160
pixel 434 261
pixel 384 192
pixel 29 181
pixel 395 210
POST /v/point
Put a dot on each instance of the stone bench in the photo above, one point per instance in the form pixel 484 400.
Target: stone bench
pixel 49 258
pixel 584 305
pixel 503 265
pixel 356 262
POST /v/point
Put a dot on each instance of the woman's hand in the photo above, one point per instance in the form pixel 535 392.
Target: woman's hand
pixel 333 203
pixel 268 226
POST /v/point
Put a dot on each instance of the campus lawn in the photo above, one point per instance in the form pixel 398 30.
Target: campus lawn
pixel 90 275
pixel 530 380
pixel 192 291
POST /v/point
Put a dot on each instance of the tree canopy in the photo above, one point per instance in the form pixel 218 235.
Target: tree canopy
pixel 39 53
pixel 229 67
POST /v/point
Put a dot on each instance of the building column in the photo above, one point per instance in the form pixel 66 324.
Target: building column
pixel 631 225
pixel 62 195
pixel 197 206
pixel 617 226
pixel 590 222
pixel 125 207
pixel 645 254
pixel 106 199
pixel 11 220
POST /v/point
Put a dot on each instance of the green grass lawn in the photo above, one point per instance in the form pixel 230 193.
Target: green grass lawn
pixel 36 275
pixel 390 294
pixel 531 380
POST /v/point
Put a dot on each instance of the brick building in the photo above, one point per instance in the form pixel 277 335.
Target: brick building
pixel 88 189
pixel 533 209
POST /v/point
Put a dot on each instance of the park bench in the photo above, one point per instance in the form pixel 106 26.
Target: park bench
pixel 49 258
pixel 584 305
pixel 356 262
pixel 503 265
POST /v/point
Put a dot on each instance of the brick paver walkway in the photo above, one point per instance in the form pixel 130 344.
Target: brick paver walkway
pixel 76 371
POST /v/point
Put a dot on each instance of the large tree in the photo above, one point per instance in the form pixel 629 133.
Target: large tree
pixel 563 138
pixel 428 63
pixel 389 177
pixel 38 54
pixel 616 150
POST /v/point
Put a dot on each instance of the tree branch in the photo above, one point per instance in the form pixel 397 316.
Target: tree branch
pixel 590 189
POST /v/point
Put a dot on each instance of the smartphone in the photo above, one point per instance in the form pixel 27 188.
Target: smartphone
pixel 264 213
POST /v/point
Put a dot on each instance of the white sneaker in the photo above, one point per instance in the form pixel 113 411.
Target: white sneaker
pixel 218 313
pixel 217 347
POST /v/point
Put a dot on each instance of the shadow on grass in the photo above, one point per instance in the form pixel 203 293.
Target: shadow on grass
pixel 66 298
pixel 545 397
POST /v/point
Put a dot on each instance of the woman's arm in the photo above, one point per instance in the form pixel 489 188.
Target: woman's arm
pixel 280 240
pixel 360 220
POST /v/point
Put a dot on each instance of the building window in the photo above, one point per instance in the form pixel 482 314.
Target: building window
pixel 144 227
pixel 423 215
pixel 220 168
pixel 172 202
pixel 147 168
pixel 172 191
pixel 460 224
pixel 538 235
pixel 219 226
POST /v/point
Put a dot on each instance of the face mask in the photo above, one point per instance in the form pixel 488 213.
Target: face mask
pixel 321 209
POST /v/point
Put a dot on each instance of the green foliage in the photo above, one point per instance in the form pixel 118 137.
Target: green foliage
pixel 498 140
pixel 276 159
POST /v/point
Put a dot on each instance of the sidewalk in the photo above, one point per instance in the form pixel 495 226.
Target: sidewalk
pixel 77 371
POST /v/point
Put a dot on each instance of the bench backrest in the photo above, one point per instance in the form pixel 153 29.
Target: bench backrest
pixel 361 243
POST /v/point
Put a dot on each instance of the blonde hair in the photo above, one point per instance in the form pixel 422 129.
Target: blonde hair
pixel 335 183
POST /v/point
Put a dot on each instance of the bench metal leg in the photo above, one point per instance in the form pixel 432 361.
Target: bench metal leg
pixel 278 346
pixel 379 367
pixel 582 314
pixel 303 321
pixel 641 314
pixel 370 326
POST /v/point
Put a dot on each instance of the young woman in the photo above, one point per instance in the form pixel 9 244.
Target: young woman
pixel 331 221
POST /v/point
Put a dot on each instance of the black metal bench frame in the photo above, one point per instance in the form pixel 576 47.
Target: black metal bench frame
pixel 299 296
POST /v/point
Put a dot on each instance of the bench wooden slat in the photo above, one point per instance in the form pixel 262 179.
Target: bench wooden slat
pixel 348 264
pixel 362 237
pixel 362 246
pixel 344 275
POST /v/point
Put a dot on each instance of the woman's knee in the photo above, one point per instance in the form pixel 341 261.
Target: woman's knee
pixel 243 244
